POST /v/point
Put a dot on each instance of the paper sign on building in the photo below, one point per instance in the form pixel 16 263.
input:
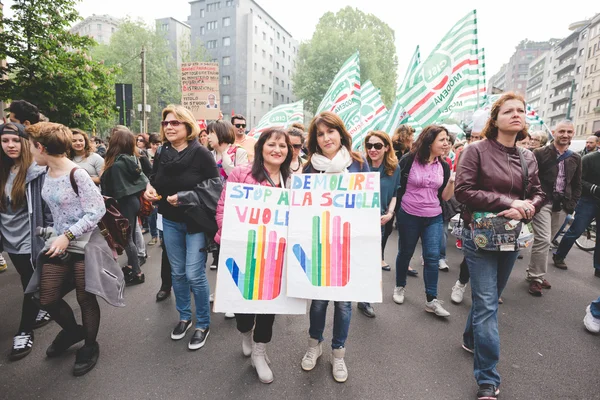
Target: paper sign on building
pixel 200 89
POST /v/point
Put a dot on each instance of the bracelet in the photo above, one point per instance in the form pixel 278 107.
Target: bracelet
pixel 69 235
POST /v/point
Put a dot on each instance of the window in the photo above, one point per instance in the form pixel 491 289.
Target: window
pixel 264 71
pixel 264 36
pixel 229 3
pixel 202 30
pixel 256 48
pixel 254 84
pixel 254 102
pixel 226 80
pixel 271 41
pixel 277 49
pixel 270 57
pixel 262 89
pixel 99 26
pixel 270 74
pixel 284 40
pixel 264 54
pixel 211 25
pixel 277 66
pixel 262 105
pixel 271 91
pixel 226 60
pixel 277 81
pixel 226 41
pixel 282 98
pixel 112 30
pixel 270 106
pixel 256 29
pixel 283 54
pixel 254 67
pixel 282 68
pixel 278 35
pixel 288 99
pixel 226 99
pixel 213 6
pixel 202 13
pixel 226 21
pixel 211 44
pixel 282 83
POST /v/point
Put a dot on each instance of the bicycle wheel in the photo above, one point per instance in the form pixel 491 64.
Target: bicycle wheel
pixel 587 240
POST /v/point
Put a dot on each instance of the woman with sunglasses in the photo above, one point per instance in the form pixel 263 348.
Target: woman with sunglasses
pixel 382 159
pixel 182 164
pixel 297 141
pixel 330 151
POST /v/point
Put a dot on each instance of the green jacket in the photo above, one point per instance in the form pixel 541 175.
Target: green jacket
pixel 123 178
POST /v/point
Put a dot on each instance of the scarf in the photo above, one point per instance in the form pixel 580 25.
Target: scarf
pixel 339 163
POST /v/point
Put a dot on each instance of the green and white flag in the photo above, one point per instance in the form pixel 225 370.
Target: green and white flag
pixel 412 66
pixel 450 67
pixel 281 116
pixel 343 96
pixel 372 114
pixel 467 99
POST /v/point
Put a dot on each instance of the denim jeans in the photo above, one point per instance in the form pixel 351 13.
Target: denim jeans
pixel 410 229
pixel 489 273
pixel 595 308
pixel 341 321
pixel 152 222
pixel 586 210
pixel 444 240
pixel 188 271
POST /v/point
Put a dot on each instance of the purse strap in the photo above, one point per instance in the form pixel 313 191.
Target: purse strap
pixel 525 172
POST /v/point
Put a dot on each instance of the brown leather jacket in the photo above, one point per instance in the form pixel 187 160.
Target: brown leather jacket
pixel 489 177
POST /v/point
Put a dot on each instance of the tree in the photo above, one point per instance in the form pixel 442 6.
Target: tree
pixel 51 67
pixel 337 37
pixel 162 74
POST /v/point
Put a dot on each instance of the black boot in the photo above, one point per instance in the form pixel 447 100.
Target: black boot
pixel 64 340
pixel 86 359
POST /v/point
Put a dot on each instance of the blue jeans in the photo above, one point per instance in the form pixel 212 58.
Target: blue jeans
pixel 587 209
pixel 595 308
pixel 188 271
pixel 341 321
pixel 410 229
pixel 152 222
pixel 444 240
pixel 489 273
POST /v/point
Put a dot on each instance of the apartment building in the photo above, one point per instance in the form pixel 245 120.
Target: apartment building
pixel 178 35
pixel 98 27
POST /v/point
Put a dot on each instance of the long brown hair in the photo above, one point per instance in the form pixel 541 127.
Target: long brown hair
pixel 122 141
pixel 390 161
pixel 422 147
pixel 17 194
pixel 258 169
pixel 403 137
pixel 491 127
pixel 332 121
pixel 87 148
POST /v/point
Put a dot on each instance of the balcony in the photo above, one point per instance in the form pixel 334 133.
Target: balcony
pixel 557 113
pixel 560 98
pixel 597 110
pixel 566 50
pixel 565 66
pixel 564 81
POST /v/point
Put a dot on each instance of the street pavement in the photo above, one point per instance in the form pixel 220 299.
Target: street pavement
pixel 403 353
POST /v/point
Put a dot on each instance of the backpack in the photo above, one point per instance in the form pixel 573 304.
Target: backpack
pixel 113 225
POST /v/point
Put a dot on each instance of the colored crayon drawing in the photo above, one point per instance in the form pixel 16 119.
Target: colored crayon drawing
pixel 329 264
pixel 261 279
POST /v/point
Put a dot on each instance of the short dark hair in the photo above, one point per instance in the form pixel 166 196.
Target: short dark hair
pixel 421 148
pixel 238 116
pixel 223 130
pixel 154 138
pixel 597 133
pixel 297 133
pixel 25 111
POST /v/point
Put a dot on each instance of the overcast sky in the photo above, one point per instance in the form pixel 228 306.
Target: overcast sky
pixel 501 24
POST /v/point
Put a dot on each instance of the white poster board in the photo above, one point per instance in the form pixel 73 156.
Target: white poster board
pixel 252 268
pixel 334 234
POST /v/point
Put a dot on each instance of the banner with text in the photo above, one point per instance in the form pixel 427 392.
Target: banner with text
pixel 200 89
pixel 252 260
pixel 334 237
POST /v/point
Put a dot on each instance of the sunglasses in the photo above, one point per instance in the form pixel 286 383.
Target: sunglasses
pixel 297 146
pixel 378 146
pixel 240 125
pixel 174 123
pixel 140 140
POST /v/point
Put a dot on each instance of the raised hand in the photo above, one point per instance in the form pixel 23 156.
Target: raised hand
pixel 329 264
pixel 261 279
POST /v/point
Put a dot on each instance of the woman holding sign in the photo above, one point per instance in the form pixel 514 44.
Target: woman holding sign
pixel 271 167
pixel 382 159
pixel 330 151
pixel 425 181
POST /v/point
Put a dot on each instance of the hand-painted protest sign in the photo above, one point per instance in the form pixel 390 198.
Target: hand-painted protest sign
pixel 252 268
pixel 200 89
pixel 335 237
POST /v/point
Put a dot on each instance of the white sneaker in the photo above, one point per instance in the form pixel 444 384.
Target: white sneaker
pixel 211 298
pixel 247 343
pixel 260 361
pixel 315 349
pixel 338 365
pixel 443 265
pixel 213 266
pixel 591 323
pixel 435 306
pixel 458 292
pixel 229 315
pixel 398 295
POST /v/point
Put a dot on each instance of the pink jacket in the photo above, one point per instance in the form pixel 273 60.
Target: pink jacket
pixel 241 174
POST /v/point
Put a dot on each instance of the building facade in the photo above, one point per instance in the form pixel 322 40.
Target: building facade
pixel 178 35
pixel 497 82
pixel 588 99
pixel 256 55
pixel 98 27
pixel 538 83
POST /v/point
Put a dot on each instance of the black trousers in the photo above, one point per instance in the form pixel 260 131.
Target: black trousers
pixel 262 324
pixel 29 310
pixel 165 267
pixel 386 231
pixel 464 275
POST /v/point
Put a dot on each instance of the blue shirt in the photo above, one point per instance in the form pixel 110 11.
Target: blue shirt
pixel 389 185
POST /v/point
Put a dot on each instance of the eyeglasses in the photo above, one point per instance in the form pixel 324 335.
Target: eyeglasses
pixel 297 146
pixel 240 125
pixel 140 140
pixel 174 123
pixel 378 146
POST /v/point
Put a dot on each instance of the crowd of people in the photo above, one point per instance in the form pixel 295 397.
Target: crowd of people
pixel 500 179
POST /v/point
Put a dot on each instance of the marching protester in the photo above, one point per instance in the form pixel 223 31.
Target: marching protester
pixel 221 138
pixel 297 140
pixel 77 207
pixel 591 145
pixel 536 140
pixel 330 151
pixel 124 180
pixel 203 138
pixel 155 143
pixel 425 181
pixel 586 210
pixel 22 209
pixel 24 113
pixel 241 139
pixel 82 155
pixel 271 167
pixel 100 147
pixel 494 176
pixel 382 158
pixel 559 171
pixel 182 164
